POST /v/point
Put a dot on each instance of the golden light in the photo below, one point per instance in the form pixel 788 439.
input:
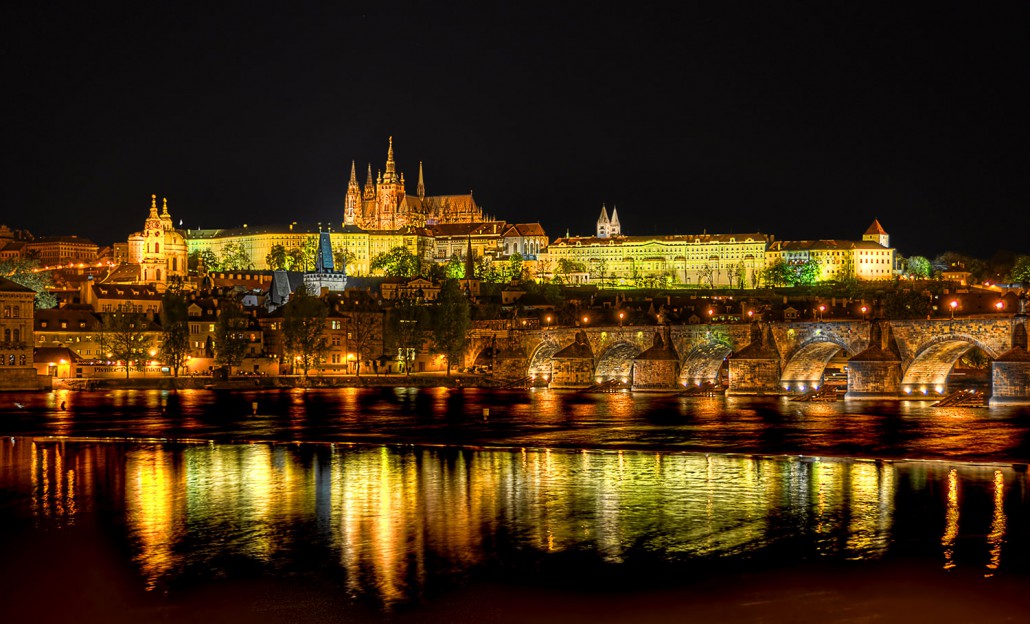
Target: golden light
pixel 822 308
pixel 153 352
pixel 64 361
pixel 711 312
pixel 750 313
pixel 1000 305
pixel 864 309
pixel 953 304
pixel 586 319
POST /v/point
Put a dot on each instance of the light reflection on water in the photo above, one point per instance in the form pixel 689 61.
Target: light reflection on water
pixel 388 520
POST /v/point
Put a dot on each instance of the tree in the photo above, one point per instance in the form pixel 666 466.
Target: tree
pixel 235 258
pixel 566 267
pixel 342 257
pixel 407 326
pixel 451 322
pixel 304 256
pixel 515 267
pixel 25 272
pixel 1021 271
pixel 127 338
pixel 278 258
pixel 304 319
pixel 364 330
pixel 202 261
pixel 905 304
pixel 918 267
pixel 398 262
pixel 231 337
pixel 455 268
pixel 806 272
pixel 706 276
pixel 175 328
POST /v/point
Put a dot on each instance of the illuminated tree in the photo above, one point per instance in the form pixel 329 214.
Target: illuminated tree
pixel 25 272
pixel 919 267
pixel 235 258
pixel 278 258
pixel 364 331
pixel 1021 271
pixel 398 262
pixel 342 257
pixel 455 268
pixel 566 267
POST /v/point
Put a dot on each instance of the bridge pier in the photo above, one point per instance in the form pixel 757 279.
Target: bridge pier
pixel 875 373
pixel 755 369
pixel 1010 373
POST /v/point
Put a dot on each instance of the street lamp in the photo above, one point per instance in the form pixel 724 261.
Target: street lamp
pixel 822 309
pixel 999 306
pixel 864 310
pixel 622 315
pixel 953 305
pixel 586 319
pixel 547 320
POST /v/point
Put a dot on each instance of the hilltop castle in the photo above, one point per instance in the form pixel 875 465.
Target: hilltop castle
pixel 384 204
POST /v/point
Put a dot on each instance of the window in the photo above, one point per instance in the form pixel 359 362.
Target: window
pixel 42 324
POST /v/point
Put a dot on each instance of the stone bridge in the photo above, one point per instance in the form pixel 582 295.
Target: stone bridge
pixel 886 359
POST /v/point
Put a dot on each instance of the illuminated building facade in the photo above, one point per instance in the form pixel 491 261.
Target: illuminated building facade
pixel 159 249
pixel 706 260
pixel 16 305
pixel 59 250
pixel 870 259
pixel 384 204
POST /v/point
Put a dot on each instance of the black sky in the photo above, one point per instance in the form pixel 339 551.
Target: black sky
pixel 800 119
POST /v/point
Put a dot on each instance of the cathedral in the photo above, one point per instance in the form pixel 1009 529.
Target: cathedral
pixel 384 204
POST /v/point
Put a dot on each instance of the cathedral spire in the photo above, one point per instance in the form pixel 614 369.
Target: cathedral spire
pixel 421 185
pixel 391 166
pixel 153 207
pixel 353 175
pixel 164 209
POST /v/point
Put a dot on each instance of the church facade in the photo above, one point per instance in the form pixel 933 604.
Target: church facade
pixel 383 203
pixel 160 249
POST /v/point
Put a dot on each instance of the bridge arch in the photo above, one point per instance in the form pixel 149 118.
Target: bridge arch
pixel 616 362
pixel 540 361
pixel 929 369
pixel 805 366
pixel 703 363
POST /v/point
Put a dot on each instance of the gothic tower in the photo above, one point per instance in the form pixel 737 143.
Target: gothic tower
pixel 390 195
pixel 615 228
pixel 421 190
pixel 603 224
pixel 352 203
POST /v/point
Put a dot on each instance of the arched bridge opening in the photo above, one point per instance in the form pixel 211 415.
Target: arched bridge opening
pixel 616 362
pixel 805 369
pixel 540 362
pixel 703 364
pixel 929 371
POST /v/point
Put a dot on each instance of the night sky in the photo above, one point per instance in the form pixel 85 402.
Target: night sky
pixel 803 120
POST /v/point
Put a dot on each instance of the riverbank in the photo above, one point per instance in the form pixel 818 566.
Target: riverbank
pixel 417 380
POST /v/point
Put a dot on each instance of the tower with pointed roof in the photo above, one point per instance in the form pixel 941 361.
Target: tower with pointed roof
pixel 421 189
pixel 353 200
pixel 390 195
pixel 614 228
pixel 877 234
pixel 603 224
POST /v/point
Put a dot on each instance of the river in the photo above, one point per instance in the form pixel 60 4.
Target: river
pixel 416 505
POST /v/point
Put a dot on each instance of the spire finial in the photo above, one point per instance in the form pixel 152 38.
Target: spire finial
pixel 353 173
pixel 153 206
pixel 164 207
pixel 421 185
